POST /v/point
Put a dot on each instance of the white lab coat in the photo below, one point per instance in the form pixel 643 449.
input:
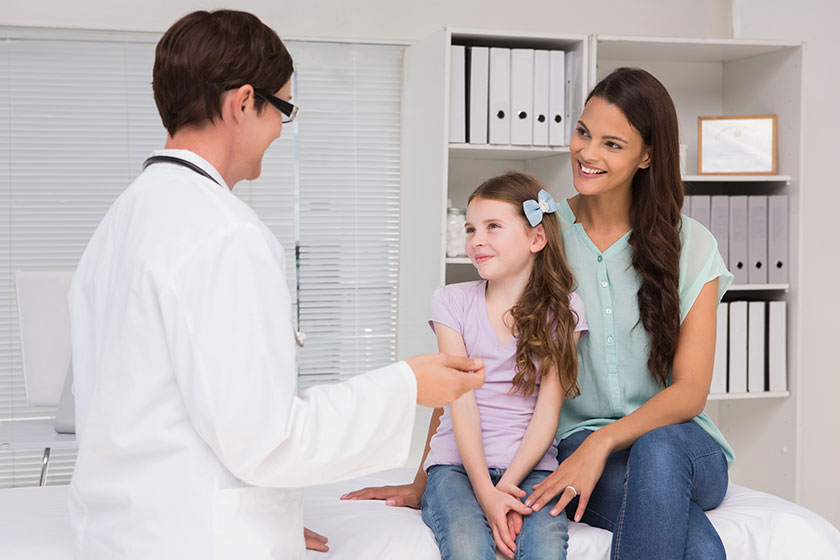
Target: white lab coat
pixel 192 440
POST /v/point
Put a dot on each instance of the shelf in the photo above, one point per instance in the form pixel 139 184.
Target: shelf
pixel 748 396
pixel 737 178
pixel 684 50
pixel 759 288
pixel 458 260
pixel 490 151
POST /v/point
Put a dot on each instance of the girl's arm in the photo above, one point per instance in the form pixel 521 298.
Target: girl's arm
pixel 466 425
pixel 684 399
pixel 540 433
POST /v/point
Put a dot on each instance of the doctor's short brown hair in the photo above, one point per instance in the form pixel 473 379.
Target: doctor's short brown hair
pixel 205 52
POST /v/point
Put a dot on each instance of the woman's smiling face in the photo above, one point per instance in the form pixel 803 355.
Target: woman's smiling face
pixel 606 150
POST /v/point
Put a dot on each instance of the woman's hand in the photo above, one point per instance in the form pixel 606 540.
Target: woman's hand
pixel 405 495
pixel 578 473
pixel 496 503
pixel 314 541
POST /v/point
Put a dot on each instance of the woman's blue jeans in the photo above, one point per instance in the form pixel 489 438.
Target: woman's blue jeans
pixel 451 510
pixel 653 495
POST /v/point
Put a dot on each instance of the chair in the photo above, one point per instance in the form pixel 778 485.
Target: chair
pixel 44 322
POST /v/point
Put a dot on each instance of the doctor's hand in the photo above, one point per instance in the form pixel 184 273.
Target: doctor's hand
pixel 314 541
pixel 442 378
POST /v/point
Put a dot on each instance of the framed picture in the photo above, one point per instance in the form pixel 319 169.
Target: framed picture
pixel 736 145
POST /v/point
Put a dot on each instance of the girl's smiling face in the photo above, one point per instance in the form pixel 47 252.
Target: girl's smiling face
pixel 499 241
pixel 606 150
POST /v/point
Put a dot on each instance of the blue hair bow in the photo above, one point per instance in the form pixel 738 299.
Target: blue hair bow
pixel 534 209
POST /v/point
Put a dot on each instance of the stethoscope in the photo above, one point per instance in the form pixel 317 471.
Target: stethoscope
pixel 300 338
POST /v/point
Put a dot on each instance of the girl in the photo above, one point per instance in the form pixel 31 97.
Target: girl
pixel 638 457
pixel 524 320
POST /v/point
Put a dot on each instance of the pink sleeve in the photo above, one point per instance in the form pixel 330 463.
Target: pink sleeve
pixel 576 304
pixel 448 308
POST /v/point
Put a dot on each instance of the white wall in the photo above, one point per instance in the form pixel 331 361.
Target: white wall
pixel 402 20
pixel 818 437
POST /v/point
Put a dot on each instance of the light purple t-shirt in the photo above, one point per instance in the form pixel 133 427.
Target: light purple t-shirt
pixel 504 416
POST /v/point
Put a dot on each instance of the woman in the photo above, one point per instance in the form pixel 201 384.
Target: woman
pixel 637 455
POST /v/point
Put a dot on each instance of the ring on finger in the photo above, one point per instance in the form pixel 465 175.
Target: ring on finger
pixel 573 490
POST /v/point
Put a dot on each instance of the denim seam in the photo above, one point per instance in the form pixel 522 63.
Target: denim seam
pixel 620 524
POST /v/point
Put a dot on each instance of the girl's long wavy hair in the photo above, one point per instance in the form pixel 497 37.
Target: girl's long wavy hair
pixel 657 197
pixel 543 320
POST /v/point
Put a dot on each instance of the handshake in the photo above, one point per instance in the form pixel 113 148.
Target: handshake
pixel 442 378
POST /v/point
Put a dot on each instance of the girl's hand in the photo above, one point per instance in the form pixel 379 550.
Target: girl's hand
pixel 402 495
pixel 579 472
pixel 496 504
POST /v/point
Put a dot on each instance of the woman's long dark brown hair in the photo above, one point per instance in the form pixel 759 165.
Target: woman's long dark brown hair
pixel 543 320
pixel 657 198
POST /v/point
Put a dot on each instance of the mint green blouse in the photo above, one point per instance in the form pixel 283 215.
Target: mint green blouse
pixel 612 373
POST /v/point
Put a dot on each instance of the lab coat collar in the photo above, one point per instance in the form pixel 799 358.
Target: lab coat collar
pixel 195 159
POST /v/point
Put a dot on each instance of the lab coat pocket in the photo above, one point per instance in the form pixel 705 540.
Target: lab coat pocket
pixel 258 523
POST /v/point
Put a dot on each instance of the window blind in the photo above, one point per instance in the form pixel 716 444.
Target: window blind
pixel 77 119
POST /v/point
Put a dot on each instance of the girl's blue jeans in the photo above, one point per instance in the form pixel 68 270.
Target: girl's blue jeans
pixel 451 510
pixel 653 495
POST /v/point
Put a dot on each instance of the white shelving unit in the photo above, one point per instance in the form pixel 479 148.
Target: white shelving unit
pixel 705 78
pixel 735 77
pixel 435 170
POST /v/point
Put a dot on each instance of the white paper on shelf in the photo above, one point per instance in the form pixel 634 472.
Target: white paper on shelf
pixel 457 94
pixel 757 239
pixel 499 104
pixel 777 346
pixel 521 96
pixel 541 91
pixel 777 239
pixel 738 347
pixel 756 325
pixel 479 62
pixel 738 239
pixel 557 99
pixel 720 224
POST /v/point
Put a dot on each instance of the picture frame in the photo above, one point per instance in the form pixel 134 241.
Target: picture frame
pixel 737 145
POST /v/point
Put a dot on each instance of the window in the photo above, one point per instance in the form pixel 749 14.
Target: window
pixel 77 119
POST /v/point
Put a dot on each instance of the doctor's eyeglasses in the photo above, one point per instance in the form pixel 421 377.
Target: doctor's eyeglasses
pixel 289 110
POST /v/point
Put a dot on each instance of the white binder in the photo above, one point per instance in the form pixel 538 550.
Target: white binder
pixel 457 94
pixel 738 239
pixel 777 346
pixel 499 107
pixel 756 325
pixel 479 63
pixel 540 111
pixel 521 96
pixel 721 339
pixel 738 347
pixel 777 239
pixel 701 209
pixel 557 99
pixel 720 224
pixel 757 243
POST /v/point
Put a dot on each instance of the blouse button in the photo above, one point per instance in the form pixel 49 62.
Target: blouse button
pixel 609 340
pixel 600 258
pixel 604 284
pixel 608 311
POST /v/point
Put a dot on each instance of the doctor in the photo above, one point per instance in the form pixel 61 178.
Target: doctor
pixel 192 440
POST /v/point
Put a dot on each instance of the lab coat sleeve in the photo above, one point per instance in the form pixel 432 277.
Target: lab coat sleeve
pixel 227 316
